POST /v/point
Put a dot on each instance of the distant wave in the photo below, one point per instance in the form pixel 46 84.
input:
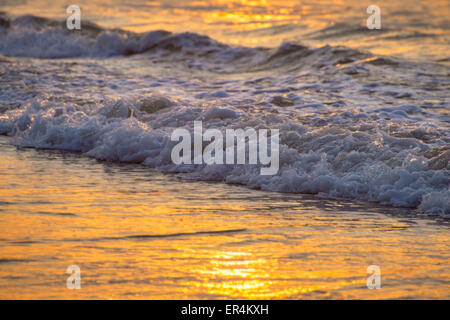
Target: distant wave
pixel 31 36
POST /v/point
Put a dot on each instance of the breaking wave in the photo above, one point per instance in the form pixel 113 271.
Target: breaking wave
pixel 361 161
pixel 349 126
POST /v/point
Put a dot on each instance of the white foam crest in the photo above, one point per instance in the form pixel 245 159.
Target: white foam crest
pixel 58 43
pixel 329 161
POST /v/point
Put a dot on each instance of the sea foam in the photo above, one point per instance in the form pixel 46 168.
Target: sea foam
pixel 330 161
pixel 349 126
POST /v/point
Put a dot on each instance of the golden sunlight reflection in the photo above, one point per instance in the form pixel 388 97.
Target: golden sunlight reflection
pixel 269 23
pixel 138 234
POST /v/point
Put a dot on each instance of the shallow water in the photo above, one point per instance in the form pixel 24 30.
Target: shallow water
pixel 136 233
pixel 364 126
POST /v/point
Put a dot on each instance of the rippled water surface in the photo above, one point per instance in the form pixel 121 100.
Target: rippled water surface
pixel 87 176
pixel 136 233
pixel 418 28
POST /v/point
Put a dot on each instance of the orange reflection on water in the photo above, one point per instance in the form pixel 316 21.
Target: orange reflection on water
pixel 138 234
pixel 269 23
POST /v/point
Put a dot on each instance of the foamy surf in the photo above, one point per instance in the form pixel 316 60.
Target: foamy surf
pixel 349 126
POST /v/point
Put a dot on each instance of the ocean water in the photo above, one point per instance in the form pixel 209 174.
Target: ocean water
pixel 363 117
pixel 136 233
